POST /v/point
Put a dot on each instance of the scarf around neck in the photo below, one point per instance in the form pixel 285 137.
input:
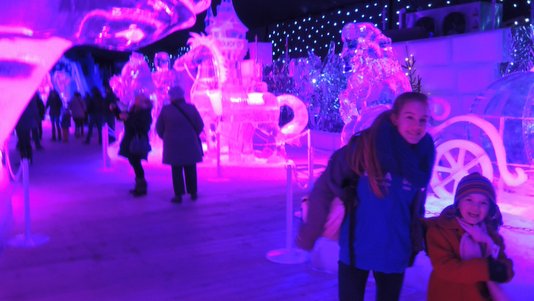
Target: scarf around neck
pixel 469 248
pixel 413 162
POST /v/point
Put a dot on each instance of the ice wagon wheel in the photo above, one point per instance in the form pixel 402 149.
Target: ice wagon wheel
pixel 454 160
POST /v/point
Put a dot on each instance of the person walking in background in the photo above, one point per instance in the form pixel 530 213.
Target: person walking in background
pixel 65 124
pixel 179 125
pixel 78 110
pixel 464 245
pixel 137 123
pixel 26 124
pixel 37 111
pixel 41 111
pixel 381 176
pixel 55 105
pixel 95 110
pixel 110 101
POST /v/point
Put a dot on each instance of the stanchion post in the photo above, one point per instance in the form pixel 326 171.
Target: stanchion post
pixel 105 143
pixel 219 171
pixel 310 161
pixel 500 184
pixel 288 255
pixel 26 187
pixel 27 240
pixel 219 175
pixel 289 205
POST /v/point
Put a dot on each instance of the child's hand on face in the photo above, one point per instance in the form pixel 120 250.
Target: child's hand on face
pixel 477 232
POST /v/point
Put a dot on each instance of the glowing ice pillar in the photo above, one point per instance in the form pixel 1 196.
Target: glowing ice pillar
pixel 5 205
pixel 21 72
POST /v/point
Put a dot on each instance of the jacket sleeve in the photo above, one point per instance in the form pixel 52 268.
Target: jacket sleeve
pixel 502 256
pixel 448 265
pixel 328 186
pixel 417 228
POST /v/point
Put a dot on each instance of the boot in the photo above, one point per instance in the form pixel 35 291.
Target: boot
pixel 137 181
pixel 140 187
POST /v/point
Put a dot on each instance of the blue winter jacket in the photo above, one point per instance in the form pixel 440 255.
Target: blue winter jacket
pixel 388 232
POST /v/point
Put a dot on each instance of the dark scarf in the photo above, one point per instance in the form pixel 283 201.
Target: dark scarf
pixel 411 161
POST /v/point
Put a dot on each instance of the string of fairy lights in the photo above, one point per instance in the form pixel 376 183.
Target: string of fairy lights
pixel 172 56
pixel 314 33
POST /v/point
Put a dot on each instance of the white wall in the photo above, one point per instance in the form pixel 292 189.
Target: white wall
pixel 458 68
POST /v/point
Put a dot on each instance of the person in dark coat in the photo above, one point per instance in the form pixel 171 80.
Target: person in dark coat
pixel 137 121
pixel 78 109
pixel 37 111
pixel 41 109
pixel 95 110
pixel 27 122
pixel 56 105
pixel 66 119
pixel 110 101
pixel 179 125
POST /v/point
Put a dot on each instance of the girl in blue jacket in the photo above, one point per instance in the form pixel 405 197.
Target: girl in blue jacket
pixel 381 176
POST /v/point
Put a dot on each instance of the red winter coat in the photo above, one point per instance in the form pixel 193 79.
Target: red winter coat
pixel 453 278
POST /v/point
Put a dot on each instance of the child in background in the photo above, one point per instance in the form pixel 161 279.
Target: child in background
pixel 65 124
pixel 78 110
pixel 465 248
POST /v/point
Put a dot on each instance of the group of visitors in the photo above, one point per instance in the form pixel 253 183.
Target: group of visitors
pixel 179 125
pixel 91 110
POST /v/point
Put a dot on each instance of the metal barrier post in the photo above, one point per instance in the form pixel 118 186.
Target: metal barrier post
pixel 27 240
pixel 310 161
pixel 105 143
pixel 288 255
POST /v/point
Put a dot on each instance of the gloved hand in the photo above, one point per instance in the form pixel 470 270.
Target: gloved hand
pixel 498 271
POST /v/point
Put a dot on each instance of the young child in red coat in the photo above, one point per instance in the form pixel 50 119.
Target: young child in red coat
pixel 465 248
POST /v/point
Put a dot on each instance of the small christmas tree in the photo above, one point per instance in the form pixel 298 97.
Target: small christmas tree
pixel 411 72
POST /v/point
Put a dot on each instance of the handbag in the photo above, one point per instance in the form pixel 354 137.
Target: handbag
pixel 139 145
pixel 192 125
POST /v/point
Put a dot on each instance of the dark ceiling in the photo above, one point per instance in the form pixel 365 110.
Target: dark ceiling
pixel 258 13
pixel 255 14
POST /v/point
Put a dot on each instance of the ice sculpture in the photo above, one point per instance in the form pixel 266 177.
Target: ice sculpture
pixel 229 92
pixel 456 158
pixel 163 78
pixel 509 103
pixel 375 75
pixel 135 78
pixel 35 33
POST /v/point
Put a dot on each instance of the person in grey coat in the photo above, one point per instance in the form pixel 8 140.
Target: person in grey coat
pixel 179 125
